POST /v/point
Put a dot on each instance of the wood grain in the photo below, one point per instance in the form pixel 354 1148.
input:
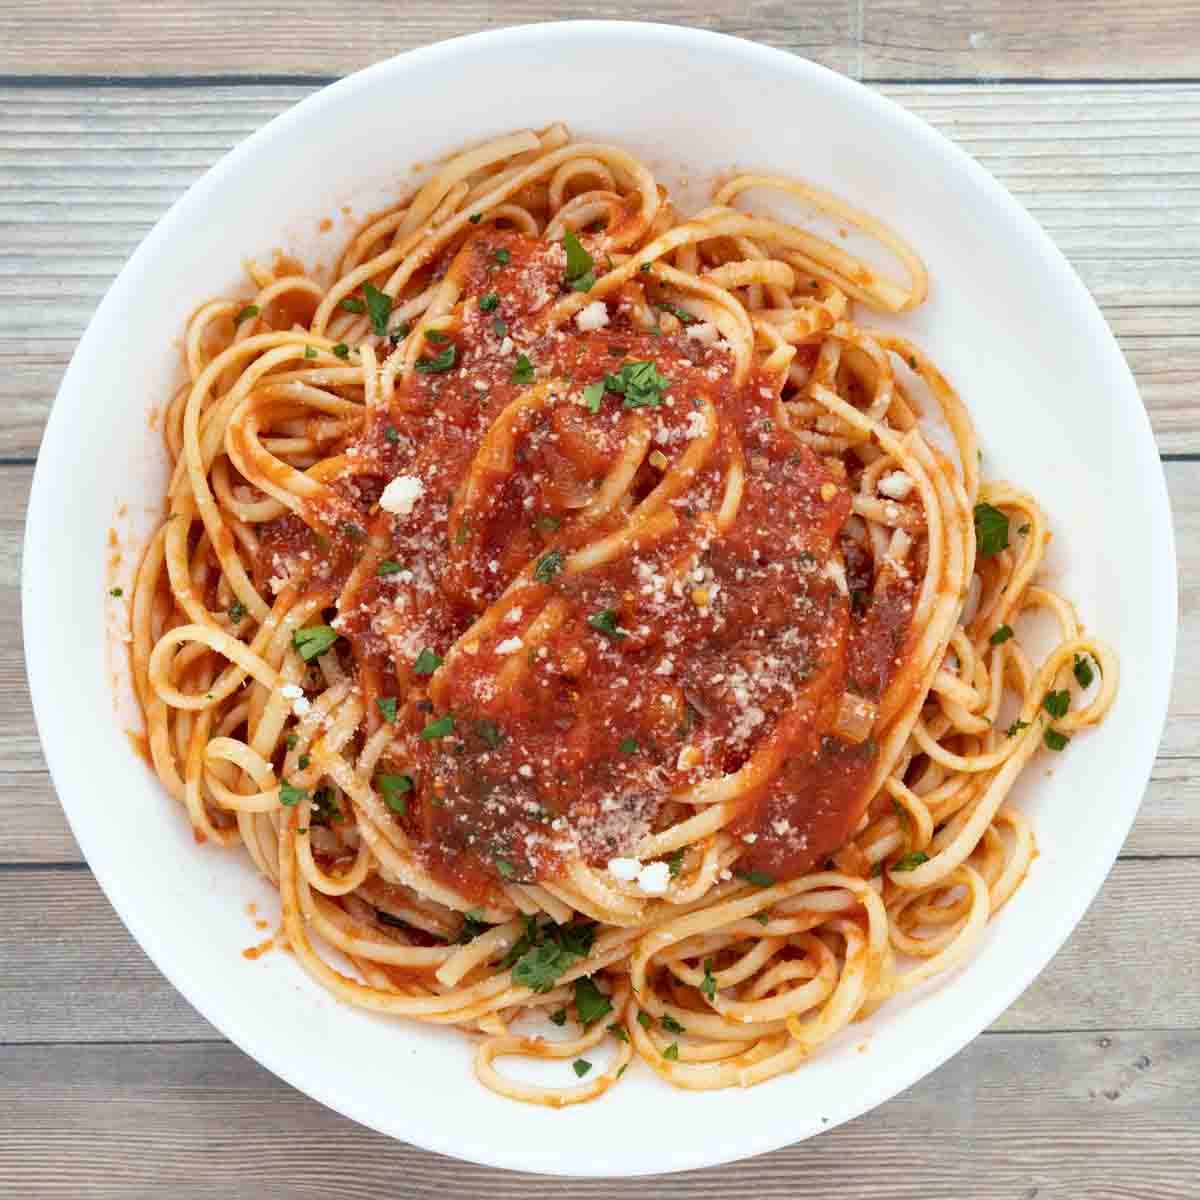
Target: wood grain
pixel 1101 1116
pixel 1112 172
pixel 871 39
pixel 1115 972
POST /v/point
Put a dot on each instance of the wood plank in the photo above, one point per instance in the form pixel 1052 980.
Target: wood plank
pixel 1069 39
pixel 334 37
pixel 33 829
pixel 875 39
pixel 1113 973
pixel 1032 1116
pixel 1112 172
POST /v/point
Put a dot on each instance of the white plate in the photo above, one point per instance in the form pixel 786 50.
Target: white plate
pixel 1007 320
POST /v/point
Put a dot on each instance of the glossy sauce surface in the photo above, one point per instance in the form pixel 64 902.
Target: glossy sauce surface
pixel 584 706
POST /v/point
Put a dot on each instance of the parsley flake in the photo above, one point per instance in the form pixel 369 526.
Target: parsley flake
pixel 437 729
pixel 379 305
pixel 910 862
pixel 489 732
pixel 559 1017
pixel 1016 728
pixel 758 878
pixel 1057 703
pixel 590 1002
pixel 581 1066
pixel 393 789
pixel 439 364
pixel 675 862
pixel 489 302
pixel 1002 634
pixel 708 985
pixel 605 622
pixel 593 396
pixel 427 662
pixel 288 795
pixel 991 530
pixel 671 1052
pixel 640 383
pixel 548 566
pixel 1054 740
pixel 523 371
pixel 342 350
pixel 352 304
pixel 628 746
pixel 645 1020
pixel 251 310
pixel 389 566
pixel 387 706
pixel 579 275
pixel 314 641
pixel 502 256
pixel 1083 671
pixel 671 1025
pixel 237 610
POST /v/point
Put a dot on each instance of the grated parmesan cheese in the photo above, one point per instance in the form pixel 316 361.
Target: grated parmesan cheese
pixel 593 317
pixel 401 494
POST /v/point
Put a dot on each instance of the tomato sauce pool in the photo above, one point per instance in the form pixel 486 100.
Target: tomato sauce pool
pixel 617 577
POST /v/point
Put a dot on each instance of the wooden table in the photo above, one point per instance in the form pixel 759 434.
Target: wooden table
pixel 1088 1087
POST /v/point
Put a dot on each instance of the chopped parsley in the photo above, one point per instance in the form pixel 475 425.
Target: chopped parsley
pixel 437 729
pixel 540 967
pixel 1057 703
pixel 619 1032
pixel 581 1066
pixel 681 314
pixel 489 732
pixel 593 396
pixel 645 266
pixel 342 350
pixel 499 327
pixel 911 861
pixel 393 789
pixel 509 872
pixel 1016 728
pixel 605 622
pixel 628 746
pixel 1002 634
pixel 1054 740
pixel 324 806
pixel 379 305
pixel 475 218
pixel 758 878
pixel 427 662
pixel 559 1017
pixel 310 352
pixel 116 591
pixel 590 1002
pixel 251 310
pixel 708 985
pixel 440 363
pixel 548 566
pixel 352 304
pixel 523 371
pixel 764 918
pixel 314 641
pixel 675 862
pixel 473 925
pixel 237 610
pixel 502 256
pixel 387 706
pixel 671 1025
pixel 391 434
pixel 435 335
pixel 640 383
pixel 671 1052
pixel 991 530
pixel 1083 671
pixel 303 761
pixel 489 302
pixel 579 277
pixel 389 566
pixel 288 795
pixel 645 1020
pixel 291 741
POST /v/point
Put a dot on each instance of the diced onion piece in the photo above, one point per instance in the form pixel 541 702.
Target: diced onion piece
pixel 855 719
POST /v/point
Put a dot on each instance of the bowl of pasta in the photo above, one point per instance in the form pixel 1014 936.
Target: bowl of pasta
pixel 634 595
